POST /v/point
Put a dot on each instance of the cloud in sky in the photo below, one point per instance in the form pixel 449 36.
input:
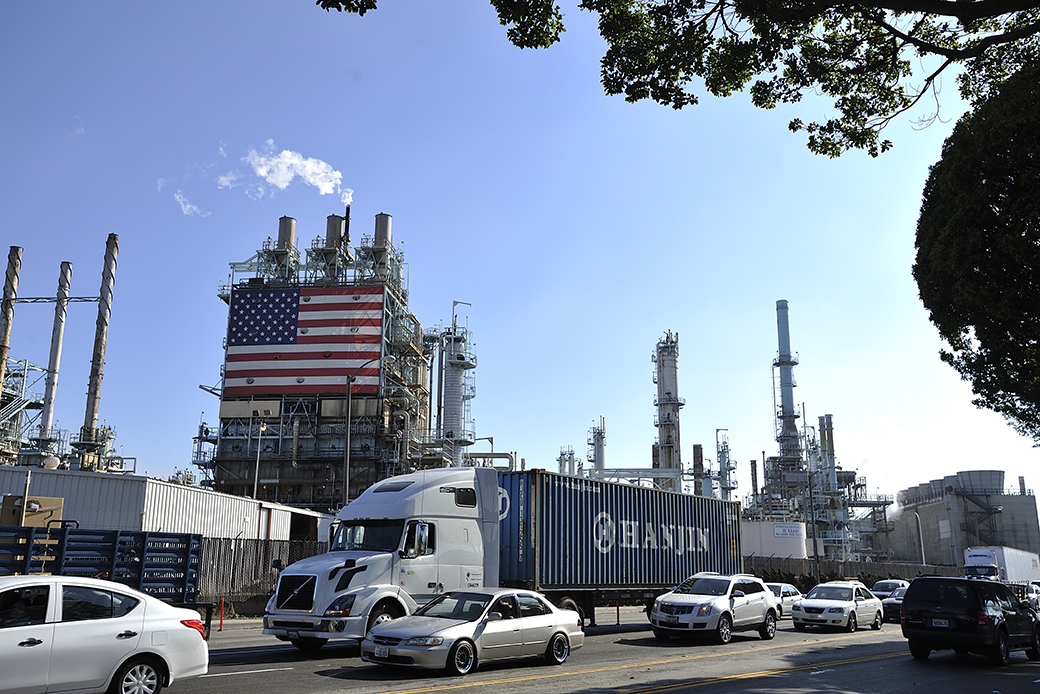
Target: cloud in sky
pixel 279 169
pixel 79 128
pixel 187 208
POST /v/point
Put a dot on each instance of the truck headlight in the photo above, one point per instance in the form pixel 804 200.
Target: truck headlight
pixel 341 606
pixel 423 641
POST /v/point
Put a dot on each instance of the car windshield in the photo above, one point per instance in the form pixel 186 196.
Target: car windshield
pixel 885 585
pixel 776 590
pixel 898 593
pixel 468 606
pixel 830 593
pixel 377 535
pixel 703 586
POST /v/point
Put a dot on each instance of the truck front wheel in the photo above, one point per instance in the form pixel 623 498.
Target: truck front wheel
pixel 383 612
pixel 308 644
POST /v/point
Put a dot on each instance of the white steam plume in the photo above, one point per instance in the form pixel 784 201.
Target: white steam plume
pixel 187 208
pixel 280 169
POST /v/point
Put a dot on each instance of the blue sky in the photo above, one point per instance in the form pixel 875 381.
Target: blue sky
pixel 579 227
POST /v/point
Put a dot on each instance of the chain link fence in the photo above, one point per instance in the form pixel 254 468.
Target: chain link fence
pixel 242 573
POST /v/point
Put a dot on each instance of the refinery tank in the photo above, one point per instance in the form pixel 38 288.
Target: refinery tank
pixel 589 542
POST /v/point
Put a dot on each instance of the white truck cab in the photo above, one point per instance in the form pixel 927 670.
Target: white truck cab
pixel 401 543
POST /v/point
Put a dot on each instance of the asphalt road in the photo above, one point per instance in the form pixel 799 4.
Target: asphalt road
pixel 625 659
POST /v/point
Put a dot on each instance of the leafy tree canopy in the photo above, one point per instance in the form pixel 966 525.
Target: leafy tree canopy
pixel 978 251
pixel 860 53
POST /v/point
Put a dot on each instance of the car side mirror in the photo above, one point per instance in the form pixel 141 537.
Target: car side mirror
pixel 494 616
pixel 738 594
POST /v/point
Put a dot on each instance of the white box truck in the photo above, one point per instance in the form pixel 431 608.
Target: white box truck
pixel 1005 564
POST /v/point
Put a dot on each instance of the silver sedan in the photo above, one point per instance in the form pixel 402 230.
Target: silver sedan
pixel 461 629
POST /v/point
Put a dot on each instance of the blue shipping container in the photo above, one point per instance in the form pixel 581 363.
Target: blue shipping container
pixel 574 533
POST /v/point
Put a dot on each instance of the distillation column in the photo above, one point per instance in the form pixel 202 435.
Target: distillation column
pixel 667 450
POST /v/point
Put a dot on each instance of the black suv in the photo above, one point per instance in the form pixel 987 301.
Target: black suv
pixel 968 615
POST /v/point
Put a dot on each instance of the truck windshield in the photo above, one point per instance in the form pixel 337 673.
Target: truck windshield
pixel 980 571
pixel 373 535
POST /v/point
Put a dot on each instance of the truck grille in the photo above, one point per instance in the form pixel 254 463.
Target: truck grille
pixel 296 593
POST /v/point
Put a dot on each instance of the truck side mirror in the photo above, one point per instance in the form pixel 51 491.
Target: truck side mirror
pixel 277 565
pixel 332 532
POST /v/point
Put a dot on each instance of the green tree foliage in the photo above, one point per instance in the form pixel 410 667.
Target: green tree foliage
pixel 978 251
pixel 859 53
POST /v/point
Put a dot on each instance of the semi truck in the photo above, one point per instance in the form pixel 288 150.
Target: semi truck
pixel 1005 564
pixel 579 541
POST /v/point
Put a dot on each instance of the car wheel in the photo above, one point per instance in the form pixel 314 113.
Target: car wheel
pixel 558 649
pixel 661 634
pixel 768 629
pixel 876 624
pixel 1033 652
pixel 919 651
pixel 382 613
pixel 307 644
pixel 851 626
pixel 798 626
pixel 1001 653
pixel 137 677
pixel 724 632
pixel 462 658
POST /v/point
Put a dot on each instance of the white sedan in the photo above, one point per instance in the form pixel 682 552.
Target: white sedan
pixel 839 604
pixel 88 635
pixel 786 596
pixel 459 630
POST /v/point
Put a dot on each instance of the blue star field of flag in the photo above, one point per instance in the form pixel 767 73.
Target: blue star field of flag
pixel 263 316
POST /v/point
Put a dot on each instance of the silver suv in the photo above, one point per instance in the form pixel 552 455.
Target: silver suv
pixel 708 603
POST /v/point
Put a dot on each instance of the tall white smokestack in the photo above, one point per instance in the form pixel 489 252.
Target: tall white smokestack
pixel 14 266
pixel 97 363
pixel 57 336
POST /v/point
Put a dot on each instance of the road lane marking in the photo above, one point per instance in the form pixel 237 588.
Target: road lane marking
pixel 245 672
pixel 666 661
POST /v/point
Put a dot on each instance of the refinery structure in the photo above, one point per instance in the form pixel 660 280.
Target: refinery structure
pixel 329 381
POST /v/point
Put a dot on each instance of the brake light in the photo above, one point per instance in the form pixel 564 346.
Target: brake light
pixel 982 619
pixel 196 625
pixel 902 612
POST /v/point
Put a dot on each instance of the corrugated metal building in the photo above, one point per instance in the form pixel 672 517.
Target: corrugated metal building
pixel 130 502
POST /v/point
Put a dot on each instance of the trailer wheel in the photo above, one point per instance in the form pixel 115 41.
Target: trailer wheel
pixel 570 604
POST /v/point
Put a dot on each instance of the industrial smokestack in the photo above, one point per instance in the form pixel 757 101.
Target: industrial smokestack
pixel 286 233
pixel 790 446
pixel 57 336
pixel 346 230
pixel 97 365
pixel 754 480
pixel 14 266
pixel 333 231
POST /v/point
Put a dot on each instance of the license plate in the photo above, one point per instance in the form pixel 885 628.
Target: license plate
pixel 940 623
pixel 671 619
pixel 382 652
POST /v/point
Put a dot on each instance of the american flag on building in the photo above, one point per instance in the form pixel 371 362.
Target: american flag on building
pixel 303 340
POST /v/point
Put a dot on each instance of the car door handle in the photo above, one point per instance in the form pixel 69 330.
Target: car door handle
pixel 126 634
pixel 30 642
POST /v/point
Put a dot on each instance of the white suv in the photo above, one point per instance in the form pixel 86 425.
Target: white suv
pixel 711 603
